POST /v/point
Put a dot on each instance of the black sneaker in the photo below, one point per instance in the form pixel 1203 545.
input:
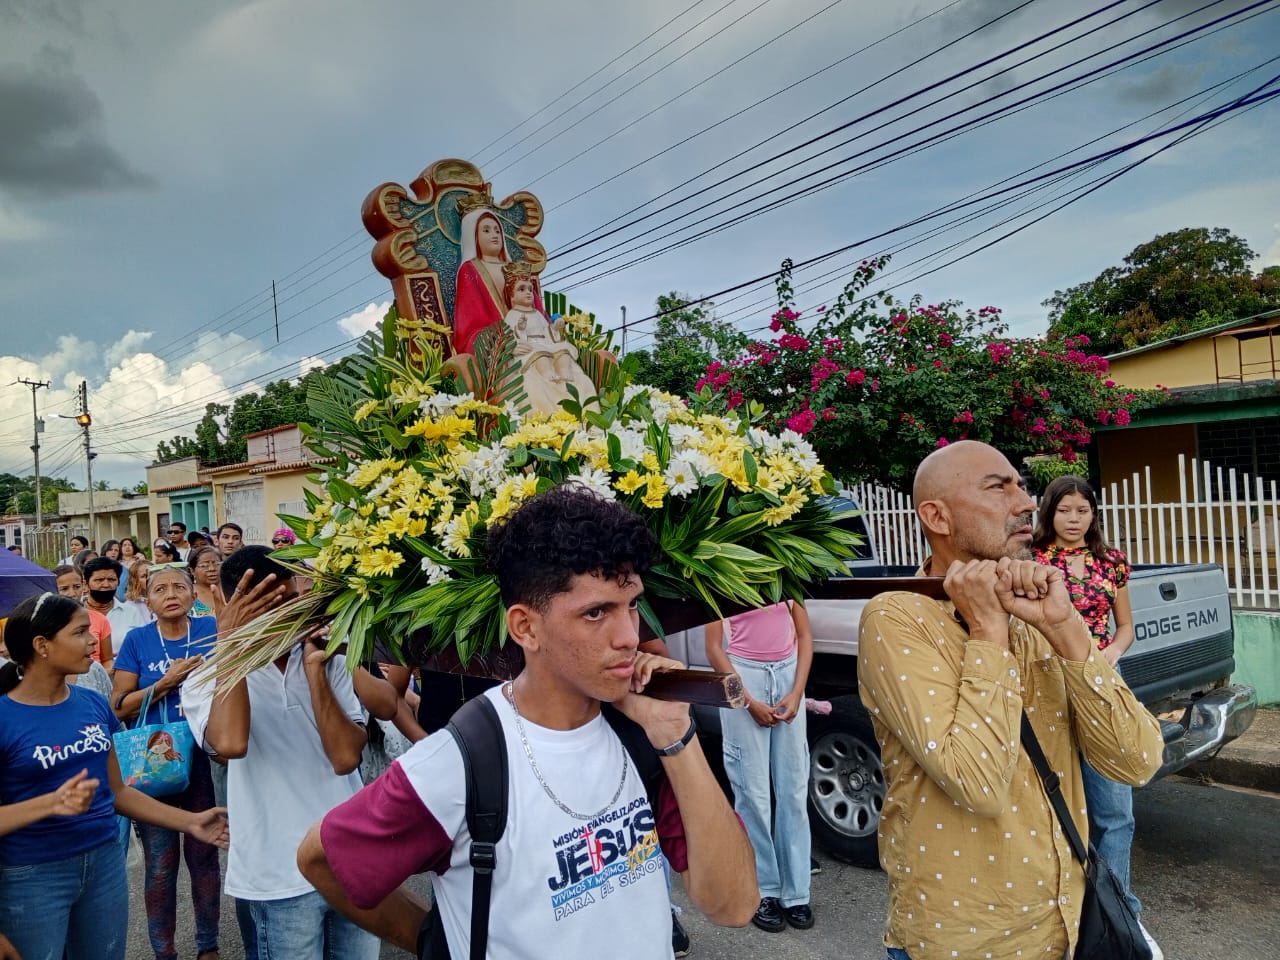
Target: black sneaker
pixel 769 916
pixel 815 867
pixel 679 938
pixel 799 916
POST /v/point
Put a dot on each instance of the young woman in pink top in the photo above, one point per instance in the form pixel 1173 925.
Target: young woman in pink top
pixel 772 650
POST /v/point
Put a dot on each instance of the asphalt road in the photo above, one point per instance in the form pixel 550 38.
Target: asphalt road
pixel 1206 864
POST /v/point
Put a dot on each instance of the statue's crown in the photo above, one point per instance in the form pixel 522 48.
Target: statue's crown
pixel 475 201
pixel 519 270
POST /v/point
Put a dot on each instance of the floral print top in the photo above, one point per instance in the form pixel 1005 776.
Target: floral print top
pixel 1095 593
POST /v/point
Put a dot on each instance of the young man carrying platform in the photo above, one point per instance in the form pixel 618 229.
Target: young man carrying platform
pixel 579 864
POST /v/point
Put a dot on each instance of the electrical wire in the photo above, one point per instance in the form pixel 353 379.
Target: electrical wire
pixel 561 275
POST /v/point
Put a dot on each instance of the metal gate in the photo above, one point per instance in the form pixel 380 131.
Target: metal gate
pixel 243 504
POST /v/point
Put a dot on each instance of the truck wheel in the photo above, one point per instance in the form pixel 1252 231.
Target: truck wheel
pixel 846 783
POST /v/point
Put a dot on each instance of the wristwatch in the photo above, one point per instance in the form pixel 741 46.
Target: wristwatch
pixel 680 744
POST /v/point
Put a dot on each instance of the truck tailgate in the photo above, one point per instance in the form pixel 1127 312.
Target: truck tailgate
pixel 1183 640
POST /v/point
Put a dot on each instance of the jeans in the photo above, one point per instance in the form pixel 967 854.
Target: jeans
pixel 1111 824
pixel 307 928
pixel 897 953
pixel 77 908
pixel 755 756
pixel 160 858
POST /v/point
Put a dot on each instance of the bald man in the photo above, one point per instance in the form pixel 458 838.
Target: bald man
pixel 977 864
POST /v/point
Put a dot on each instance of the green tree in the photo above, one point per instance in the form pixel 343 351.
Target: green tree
pixel 22 499
pixel 876 383
pixel 1176 283
pixel 220 433
pixel 687 337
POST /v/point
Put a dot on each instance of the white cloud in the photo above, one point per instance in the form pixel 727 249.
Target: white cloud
pixel 307 364
pixel 136 398
pixel 367 319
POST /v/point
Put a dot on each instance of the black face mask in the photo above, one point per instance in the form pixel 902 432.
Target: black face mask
pixel 102 596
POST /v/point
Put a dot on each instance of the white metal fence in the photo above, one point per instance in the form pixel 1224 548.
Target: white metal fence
pixel 1221 516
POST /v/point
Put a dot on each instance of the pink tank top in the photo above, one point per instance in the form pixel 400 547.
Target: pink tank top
pixel 767 634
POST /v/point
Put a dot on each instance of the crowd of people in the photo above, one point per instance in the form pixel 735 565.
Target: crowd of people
pixel 330 784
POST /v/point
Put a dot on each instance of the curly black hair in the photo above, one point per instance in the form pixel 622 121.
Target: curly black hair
pixel 555 536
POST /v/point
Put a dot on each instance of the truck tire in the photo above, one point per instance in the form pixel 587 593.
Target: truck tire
pixel 846 783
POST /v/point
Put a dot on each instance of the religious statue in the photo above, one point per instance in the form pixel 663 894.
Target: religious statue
pixel 478 300
pixel 548 362
pixel 445 243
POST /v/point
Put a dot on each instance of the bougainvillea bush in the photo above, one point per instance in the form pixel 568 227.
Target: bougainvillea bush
pixel 876 383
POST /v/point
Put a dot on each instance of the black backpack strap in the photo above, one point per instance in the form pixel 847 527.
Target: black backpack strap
pixel 478 732
pixel 1052 787
pixel 643 755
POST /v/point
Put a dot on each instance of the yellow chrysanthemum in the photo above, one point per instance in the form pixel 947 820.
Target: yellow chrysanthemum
pixel 364 410
pixel 655 489
pixel 650 461
pixel 449 428
pixel 477 406
pixel 629 483
pixel 380 562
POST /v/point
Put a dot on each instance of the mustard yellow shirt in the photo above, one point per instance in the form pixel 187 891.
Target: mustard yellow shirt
pixel 978 865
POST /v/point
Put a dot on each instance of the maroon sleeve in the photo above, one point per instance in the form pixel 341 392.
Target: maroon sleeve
pixel 381 837
pixel 671 828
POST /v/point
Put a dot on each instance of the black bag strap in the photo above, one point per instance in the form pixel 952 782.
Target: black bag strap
pixel 647 762
pixel 1053 787
pixel 476 729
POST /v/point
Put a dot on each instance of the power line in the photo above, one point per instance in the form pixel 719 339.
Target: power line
pixel 1117 151
pixel 981 120
pixel 599 70
pixel 670 63
pixel 880 110
pixel 737 113
pixel 683 93
pixel 741 153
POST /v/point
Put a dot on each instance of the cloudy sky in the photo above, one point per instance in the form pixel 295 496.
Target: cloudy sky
pixel 161 164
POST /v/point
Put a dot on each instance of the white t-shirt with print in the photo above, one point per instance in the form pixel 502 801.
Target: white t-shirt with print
pixel 285 782
pixel 562 885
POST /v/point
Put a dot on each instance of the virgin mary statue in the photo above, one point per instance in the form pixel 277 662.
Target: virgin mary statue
pixel 479 301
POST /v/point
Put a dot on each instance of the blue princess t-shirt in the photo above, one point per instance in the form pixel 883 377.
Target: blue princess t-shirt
pixel 149 655
pixel 41 748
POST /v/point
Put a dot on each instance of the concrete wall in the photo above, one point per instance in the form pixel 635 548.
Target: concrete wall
pixel 1258 653
pixel 1122 453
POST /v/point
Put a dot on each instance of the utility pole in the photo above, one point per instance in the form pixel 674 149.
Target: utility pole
pixel 624 331
pixel 35 447
pixel 85 420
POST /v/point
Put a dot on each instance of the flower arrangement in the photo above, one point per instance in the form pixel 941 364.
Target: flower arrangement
pixel 423 468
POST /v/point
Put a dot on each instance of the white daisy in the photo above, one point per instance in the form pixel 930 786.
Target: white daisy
pixel 680 478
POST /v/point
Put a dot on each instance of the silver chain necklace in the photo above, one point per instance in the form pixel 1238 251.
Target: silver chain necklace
pixel 533 764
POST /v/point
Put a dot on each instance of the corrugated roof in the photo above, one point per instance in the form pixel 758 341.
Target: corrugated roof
pixel 292 465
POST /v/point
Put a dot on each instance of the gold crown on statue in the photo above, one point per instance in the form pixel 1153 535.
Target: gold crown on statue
pixel 475 201
pixel 520 270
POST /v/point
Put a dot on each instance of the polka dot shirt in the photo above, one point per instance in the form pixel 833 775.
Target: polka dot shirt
pixel 977 864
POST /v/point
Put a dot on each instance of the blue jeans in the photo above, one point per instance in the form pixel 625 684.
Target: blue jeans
pixel 77 907
pixel 307 928
pixel 1111 824
pixel 897 953
pixel 755 756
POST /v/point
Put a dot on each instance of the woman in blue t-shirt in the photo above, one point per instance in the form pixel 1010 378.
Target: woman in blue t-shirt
pixel 63 887
pixel 154 660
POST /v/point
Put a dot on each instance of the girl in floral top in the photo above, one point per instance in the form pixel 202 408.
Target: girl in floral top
pixel 1069 536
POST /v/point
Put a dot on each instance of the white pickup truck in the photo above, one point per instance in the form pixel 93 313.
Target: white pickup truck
pixel 1179 666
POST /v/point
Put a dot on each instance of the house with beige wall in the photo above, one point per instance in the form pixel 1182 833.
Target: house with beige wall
pixel 1223 406
pixel 251 494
